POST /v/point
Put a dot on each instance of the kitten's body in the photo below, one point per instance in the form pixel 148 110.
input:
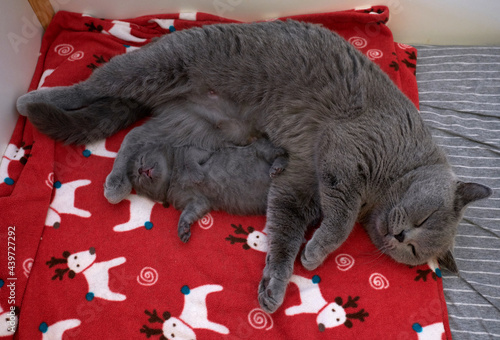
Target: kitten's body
pixel 357 146
pixel 196 181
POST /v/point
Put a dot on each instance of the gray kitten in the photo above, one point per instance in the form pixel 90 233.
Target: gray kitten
pixel 234 179
pixel 358 148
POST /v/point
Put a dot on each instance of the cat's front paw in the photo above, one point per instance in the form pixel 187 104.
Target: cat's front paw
pixel 184 231
pixel 310 257
pixel 116 188
pixel 271 293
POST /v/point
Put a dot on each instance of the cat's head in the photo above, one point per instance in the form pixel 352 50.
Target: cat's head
pixel 418 218
pixel 149 172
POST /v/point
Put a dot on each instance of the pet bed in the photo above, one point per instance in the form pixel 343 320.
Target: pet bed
pixel 79 267
pixel 459 89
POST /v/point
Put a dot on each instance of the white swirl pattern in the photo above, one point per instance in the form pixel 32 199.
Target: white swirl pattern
pixel 76 56
pixel 344 262
pixel 378 281
pixel 64 49
pixel 259 319
pixel 206 222
pixel 374 54
pixel 148 276
pixel 358 42
pixel 27 265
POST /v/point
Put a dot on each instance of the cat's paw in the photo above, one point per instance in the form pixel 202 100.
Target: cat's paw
pixel 310 258
pixel 271 293
pixel 26 99
pixel 116 188
pixel 184 231
pixel 275 171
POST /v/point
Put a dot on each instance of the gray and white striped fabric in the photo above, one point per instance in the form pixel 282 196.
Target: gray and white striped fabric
pixel 459 89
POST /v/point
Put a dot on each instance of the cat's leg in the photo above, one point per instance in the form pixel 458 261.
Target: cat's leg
pixel 63 97
pixel 340 187
pixel 194 210
pixel 279 165
pixel 192 160
pixel 292 206
pixel 118 185
pixel 276 156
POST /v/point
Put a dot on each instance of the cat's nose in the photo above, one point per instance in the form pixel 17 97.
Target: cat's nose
pixel 400 237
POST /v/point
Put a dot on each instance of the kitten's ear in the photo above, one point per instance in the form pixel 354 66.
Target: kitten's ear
pixel 448 261
pixel 470 192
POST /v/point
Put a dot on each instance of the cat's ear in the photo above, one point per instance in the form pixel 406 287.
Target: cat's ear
pixel 470 192
pixel 448 261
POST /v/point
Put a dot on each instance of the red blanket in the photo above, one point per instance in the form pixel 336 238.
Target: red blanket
pixel 79 267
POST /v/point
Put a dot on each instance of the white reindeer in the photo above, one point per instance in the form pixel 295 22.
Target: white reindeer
pixel 140 214
pixel 96 273
pixel 255 239
pixel 331 314
pixel 193 316
pixel 64 202
pixel 8 321
pixel 12 154
pixel 56 330
pixel 98 149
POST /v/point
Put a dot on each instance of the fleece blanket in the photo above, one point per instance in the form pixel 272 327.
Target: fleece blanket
pixel 75 266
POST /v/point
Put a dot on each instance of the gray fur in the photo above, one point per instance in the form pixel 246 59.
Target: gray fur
pixel 234 179
pixel 357 146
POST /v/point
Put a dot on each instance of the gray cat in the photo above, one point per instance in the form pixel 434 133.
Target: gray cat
pixel 358 149
pixel 234 179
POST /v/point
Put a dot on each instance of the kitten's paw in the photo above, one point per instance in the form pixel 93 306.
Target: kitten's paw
pixel 184 231
pixel 271 293
pixel 275 171
pixel 116 188
pixel 310 259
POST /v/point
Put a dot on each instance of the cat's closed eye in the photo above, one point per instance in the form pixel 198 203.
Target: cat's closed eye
pixel 425 219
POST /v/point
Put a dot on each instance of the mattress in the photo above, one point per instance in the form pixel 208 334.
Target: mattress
pixel 459 90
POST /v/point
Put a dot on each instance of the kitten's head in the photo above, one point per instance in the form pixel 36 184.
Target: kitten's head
pixel 418 219
pixel 149 172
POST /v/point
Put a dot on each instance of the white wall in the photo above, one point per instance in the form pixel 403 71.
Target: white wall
pixel 446 22
pixel 20 38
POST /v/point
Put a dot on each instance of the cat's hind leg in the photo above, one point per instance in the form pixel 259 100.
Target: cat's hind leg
pixel 194 210
pixel 99 120
pixel 277 157
pixel 63 97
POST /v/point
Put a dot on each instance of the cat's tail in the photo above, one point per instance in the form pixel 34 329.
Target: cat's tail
pixel 96 121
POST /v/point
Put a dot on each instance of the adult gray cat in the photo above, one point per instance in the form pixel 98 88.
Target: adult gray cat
pixel 357 146
pixel 234 179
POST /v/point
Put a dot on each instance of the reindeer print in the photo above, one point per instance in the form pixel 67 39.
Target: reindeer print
pixel 64 202
pixel 329 314
pixel 433 271
pixel 193 316
pixel 429 332
pixel 122 30
pixel 13 154
pixel 56 330
pixel 8 321
pixel 98 149
pixel 96 273
pixel 140 214
pixel 254 239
